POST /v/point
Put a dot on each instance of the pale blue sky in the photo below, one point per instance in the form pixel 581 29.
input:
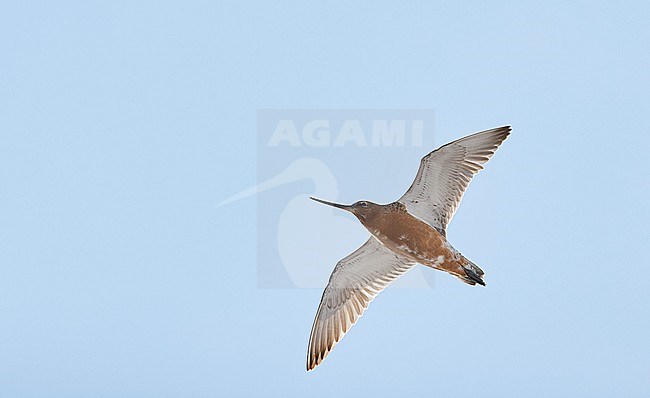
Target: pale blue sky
pixel 123 123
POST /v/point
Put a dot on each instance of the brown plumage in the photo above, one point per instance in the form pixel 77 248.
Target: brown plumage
pixel 402 233
pixel 409 231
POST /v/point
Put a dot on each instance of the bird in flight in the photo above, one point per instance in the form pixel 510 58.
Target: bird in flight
pixel 406 232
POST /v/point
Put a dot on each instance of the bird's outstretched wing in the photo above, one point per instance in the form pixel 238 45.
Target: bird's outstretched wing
pixel 355 281
pixel 445 173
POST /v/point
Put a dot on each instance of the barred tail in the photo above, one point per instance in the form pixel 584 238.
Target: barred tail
pixel 473 274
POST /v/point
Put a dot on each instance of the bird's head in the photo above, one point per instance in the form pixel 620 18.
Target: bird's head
pixel 363 209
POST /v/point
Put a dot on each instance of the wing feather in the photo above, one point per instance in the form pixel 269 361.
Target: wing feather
pixel 445 173
pixel 354 283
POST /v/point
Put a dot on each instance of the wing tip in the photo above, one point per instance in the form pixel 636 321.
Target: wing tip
pixel 500 133
pixel 312 363
pixel 497 134
pixel 503 130
pixel 316 358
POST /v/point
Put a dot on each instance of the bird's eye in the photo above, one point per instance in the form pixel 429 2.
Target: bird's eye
pixel 363 204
